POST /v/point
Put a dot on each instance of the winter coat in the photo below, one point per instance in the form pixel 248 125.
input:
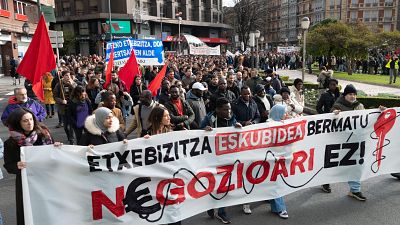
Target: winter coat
pixel 245 113
pixel 198 106
pixel 78 112
pixel 323 77
pixel 136 91
pixel 296 94
pixel 252 83
pixel 92 94
pixel 31 104
pixel 58 96
pixel 94 136
pixel 326 101
pixel 137 120
pixel 175 119
pixel 261 107
pixel 218 94
pixel 212 121
pixel 292 112
pixel 48 91
pixel 12 152
pixel 343 105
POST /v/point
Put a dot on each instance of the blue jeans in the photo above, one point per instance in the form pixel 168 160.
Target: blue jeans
pixel 355 186
pixel 278 205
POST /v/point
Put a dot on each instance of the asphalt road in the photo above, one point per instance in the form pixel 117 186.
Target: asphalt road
pixel 307 207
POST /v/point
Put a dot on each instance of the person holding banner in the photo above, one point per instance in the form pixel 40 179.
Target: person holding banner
pixel 25 130
pixel 101 128
pixel 221 117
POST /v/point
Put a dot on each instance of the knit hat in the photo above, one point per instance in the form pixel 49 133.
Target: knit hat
pixel 259 88
pixel 284 89
pixel 349 89
pixel 277 111
pixel 100 116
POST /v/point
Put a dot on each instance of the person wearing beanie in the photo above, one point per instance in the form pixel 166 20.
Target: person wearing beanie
pixel 101 128
pixel 347 102
pixel 263 101
pixel 293 107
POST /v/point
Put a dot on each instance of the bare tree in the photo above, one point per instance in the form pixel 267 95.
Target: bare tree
pixel 249 15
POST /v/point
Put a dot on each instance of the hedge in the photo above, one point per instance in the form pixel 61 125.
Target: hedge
pixel 374 102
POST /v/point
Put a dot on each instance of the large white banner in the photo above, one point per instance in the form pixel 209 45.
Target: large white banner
pixel 204 50
pixel 174 176
pixel 288 49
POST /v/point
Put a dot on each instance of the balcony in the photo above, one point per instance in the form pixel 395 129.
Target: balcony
pixel 5 13
pixel 21 17
pixel 387 19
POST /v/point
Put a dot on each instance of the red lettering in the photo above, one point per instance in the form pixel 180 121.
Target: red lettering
pixel 298 161
pixel 239 174
pixel 311 160
pixel 249 172
pixel 99 199
pixel 192 185
pixel 228 173
pixel 279 168
pixel 180 191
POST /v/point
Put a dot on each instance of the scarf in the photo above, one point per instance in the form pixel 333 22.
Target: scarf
pixel 23 140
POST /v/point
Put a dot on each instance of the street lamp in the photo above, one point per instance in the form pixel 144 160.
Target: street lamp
pixel 305 24
pixel 257 34
pixel 179 33
pixel 25 28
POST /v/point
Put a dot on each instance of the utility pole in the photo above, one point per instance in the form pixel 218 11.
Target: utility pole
pixel 109 11
pixel 39 11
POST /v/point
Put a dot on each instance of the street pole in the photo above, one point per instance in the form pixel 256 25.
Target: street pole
pixel 161 18
pixel 258 55
pixel 58 52
pixel 304 55
pixel 109 12
pixel 39 11
pixel 179 35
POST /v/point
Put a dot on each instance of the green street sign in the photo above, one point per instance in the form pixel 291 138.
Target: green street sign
pixel 120 26
pixel 48 13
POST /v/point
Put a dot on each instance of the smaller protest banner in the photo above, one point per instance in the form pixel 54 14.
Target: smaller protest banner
pixel 204 50
pixel 288 49
pixel 148 52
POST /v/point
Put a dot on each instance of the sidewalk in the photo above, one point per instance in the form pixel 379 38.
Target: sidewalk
pixel 369 89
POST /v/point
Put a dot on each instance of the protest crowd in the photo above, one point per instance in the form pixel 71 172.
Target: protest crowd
pixel 193 92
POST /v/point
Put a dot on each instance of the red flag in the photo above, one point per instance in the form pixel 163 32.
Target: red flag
pixel 129 71
pixel 110 68
pixel 38 59
pixel 155 84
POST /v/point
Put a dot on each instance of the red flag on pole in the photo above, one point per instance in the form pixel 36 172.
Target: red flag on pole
pixel 129 71
pixel 155 84
pixel 110 68
pixel 38 59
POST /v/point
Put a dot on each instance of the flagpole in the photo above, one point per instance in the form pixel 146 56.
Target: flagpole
pixel 109 11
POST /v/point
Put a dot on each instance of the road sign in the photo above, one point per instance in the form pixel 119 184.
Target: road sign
pixel 57 40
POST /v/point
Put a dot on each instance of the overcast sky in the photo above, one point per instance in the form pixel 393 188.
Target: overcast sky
pixel 227 3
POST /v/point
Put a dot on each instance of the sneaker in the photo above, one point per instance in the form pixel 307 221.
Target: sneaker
pixel 283 214
pixel 326 188
pixel 358 195
pixel 223 218
pixel 246 209
pixel 210 213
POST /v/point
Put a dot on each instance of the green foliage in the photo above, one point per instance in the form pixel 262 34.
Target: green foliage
pixel 284 78
pixel 323 23
pixel 375 102
pixel 69 43
pixel 388 40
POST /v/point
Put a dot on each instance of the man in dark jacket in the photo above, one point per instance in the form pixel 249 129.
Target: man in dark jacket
pixel 221 117
pixel 20 99
pixel 163 97
pixel 327 99
pixel 245 108
pixel 231 84
pixel 181 113
pixel 254 80
pixel 263 101
pixel 221 92
pixel 195 99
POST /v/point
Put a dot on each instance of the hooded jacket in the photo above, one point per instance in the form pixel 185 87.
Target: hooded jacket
pixel 198 106
pixel 94 136
pixel 343 105
pixel 31 104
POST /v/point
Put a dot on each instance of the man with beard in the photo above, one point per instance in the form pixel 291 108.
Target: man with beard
pixel 254 80
pixel 213 84
pixel 163 97
pixel 231 84
pixel 221 92
pixel 195 99
pixel 181 113
pixel 245 108
pixel 115 80
pixel 221 117
pixel 142 112
pixel 263 101
pixel 109 100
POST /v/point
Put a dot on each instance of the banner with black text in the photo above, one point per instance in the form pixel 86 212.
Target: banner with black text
pixel 173 176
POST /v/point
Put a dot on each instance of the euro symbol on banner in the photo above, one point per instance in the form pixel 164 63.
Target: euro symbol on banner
pixel 133 203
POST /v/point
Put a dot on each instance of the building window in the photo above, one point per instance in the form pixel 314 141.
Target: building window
pixel 84 28
pixel 19 7
pixel 388 13
pixel 66 8
pixel 203 16
pixel 79 7
pixel 4 4
pixel 215 17
pixel 93 5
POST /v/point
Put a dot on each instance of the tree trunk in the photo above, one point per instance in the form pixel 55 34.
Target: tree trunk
pixel 349 66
